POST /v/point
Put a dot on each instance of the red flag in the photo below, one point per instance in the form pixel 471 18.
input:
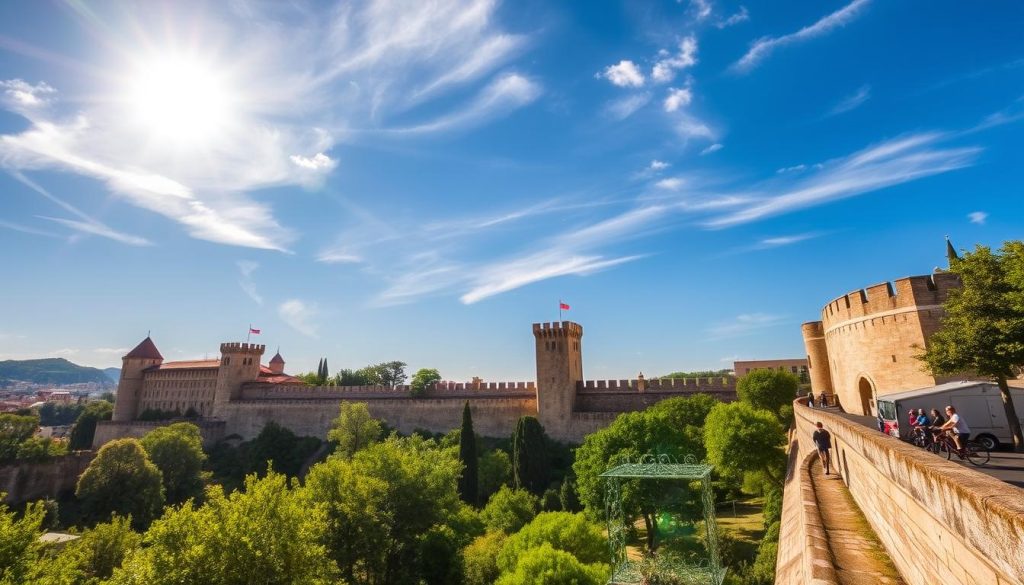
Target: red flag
pixel 254 331
pixel 563 306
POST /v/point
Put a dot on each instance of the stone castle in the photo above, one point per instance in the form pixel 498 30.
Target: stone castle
pixel 236 395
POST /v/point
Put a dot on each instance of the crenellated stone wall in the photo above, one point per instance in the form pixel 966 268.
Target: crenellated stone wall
pixel 940 522
pixel 804 557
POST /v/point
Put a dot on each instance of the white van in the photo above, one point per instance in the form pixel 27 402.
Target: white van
pixel 978 403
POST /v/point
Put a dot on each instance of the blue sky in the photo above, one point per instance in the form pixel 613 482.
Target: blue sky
pixel 421 181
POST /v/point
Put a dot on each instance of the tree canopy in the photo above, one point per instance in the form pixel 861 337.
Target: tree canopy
pixel 741 438
pixel 983 325
pixel 508 510
pixel 354 429
pixel 15 430
pixel 122 480
pixel 177 451
pixel 770 389
pixel 423 378
pixel 85 426
pixel 468 481
pixel 530 467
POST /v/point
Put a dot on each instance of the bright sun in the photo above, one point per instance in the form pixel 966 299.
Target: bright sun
pixel 179 100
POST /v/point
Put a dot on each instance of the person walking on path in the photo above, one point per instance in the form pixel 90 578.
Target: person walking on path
pixel 810 399
pixel 823 441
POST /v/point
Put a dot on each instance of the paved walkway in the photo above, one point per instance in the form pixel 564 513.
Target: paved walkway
pixel 859 557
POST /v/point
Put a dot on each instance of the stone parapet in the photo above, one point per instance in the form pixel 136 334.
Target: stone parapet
pixel 452 390
pixel 904 293
pixel 656 384
pixel 804 557
pixel 940 522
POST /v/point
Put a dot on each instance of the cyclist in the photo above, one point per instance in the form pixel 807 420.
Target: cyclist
pixel 823 441
pixel 937 419
pixel 956 424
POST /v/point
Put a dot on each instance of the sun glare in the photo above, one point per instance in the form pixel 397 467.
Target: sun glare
pixel 179 100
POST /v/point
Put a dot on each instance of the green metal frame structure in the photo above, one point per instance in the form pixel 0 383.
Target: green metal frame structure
pixel 660 467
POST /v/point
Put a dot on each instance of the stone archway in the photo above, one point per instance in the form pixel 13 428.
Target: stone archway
pixel 866 391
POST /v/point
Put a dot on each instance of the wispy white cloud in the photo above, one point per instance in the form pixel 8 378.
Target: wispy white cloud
pixel 625 73
pixel 737 17
pixel 777 241
pixel 314 163
pixel 665 68
pixel 112 350
pixel 27 229
pixel 1008 115
pixel 670 183
pixel 505 276
pixel 852 101
pixel 657 165
pixel 65 352
pixel 84 224
pixel 300 316
pixel 701 9
pixel 744 324
pixel 502 96
pixel 688 126
pixel 793 169
pixel 712 148
pixel 762 47
pixel 247 268
pixel 623 108
pixel 883 165
pixel 678 98
pixel 20 94
pixel 978 217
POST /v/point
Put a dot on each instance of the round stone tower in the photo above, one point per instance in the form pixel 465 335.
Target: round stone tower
pixel 239 363
pixel 129 386
pixel 559 370
pixel 817 357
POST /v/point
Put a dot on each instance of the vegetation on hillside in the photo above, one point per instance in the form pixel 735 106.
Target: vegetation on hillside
pixel 699 374
pixel 50 371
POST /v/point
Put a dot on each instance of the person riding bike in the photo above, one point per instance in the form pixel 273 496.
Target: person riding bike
pixel 958 426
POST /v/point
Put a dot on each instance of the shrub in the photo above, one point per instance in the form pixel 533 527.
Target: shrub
pixel 508 510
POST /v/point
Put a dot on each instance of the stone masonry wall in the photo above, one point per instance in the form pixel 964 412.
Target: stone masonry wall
pixel 106 431
pixel 23 482
pixel 940 522
pixel 804 557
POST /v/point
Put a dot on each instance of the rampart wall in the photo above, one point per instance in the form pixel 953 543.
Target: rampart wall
pixel 211 431
pixel 939 522
pixel 23 482
pixel 259 391
pixel 632 395
pixel 804 557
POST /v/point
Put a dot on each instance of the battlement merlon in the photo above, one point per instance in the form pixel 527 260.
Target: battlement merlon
pixel 903 293
pixel 239 347
pixel 558 329
pixel 813 330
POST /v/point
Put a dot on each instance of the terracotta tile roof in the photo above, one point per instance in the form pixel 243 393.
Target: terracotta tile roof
pixel 188 364
pixel 268 377
pixel 145 350
pixel 277 358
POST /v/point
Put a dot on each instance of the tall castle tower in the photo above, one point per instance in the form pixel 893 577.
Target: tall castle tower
pixel 239 363
pixel 817 357
pixel 559 369
pixel 129 386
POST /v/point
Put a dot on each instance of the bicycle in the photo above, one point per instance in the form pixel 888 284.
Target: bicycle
pixel 921 438
pixel 973 452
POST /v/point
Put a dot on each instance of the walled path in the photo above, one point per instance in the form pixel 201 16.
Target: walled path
pixel 859 557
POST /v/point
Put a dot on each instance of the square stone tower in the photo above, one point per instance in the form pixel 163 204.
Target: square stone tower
pixel 239 363
pixel 559 370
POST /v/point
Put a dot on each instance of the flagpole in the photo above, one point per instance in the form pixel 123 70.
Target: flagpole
pixel 559 310
pixel 248 333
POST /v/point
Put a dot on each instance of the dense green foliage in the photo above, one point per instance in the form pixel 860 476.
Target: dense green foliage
pixel 769 389
pixel 546 565
pixel 14 431
pixel 699 374
pixel 494 471
pixel 52 414
pixel 177 451
pixel 530 467
pixel 671 427
pixel 390 495
pixel 284 450
pixel 19 543
pixel 263 534
pixel 567 532
pixel 508 510
pixel 354 429
pixel 468 481
pixel 481 559
pixel 423 378
pixel 91 559
pixel 57 371
pixel 740 439
pixel 85 427
pixel 983 324
pixel 121 480
pixel 41 449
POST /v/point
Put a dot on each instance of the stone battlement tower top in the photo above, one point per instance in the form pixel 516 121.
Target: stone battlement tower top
pixel 559 370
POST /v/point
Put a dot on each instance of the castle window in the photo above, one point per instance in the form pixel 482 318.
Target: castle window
pixel 894 358
pixel 227 361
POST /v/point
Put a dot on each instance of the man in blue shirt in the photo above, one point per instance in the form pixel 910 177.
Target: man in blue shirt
pixel 823 441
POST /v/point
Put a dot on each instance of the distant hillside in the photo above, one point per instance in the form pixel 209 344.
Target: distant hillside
pixel 113 373
pixel 50 371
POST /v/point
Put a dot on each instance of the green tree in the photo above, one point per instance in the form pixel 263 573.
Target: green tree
pixel 264 534
pixel 699 374
pixel 672 427
pixel 468 481
pixel 380 502
pixel 107 397
pixel 354 429
pixel 530 456
pixel 768 389
pixel 567 496
pixel 391 373
pixel 92 558
pixel 983 326
pixel 121 480
pixel 546 565
pixel 740 438
pixel 325 374
pixel 564 531
pixel 41 449
pixel 508 510
pixel 15 430
pixel 423 378
pixel 177 451
pixel 440 557
pixel 494 471
pixel 52 414
pixel 19 542
pixel 284 449
pixel 480 558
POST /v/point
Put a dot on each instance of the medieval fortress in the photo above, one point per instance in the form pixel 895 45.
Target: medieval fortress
pixel 237 395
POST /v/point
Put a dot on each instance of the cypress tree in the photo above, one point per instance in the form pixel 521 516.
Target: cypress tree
pixel 326 374
pixel 320 370
pixel 529 456
pixel 467 454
